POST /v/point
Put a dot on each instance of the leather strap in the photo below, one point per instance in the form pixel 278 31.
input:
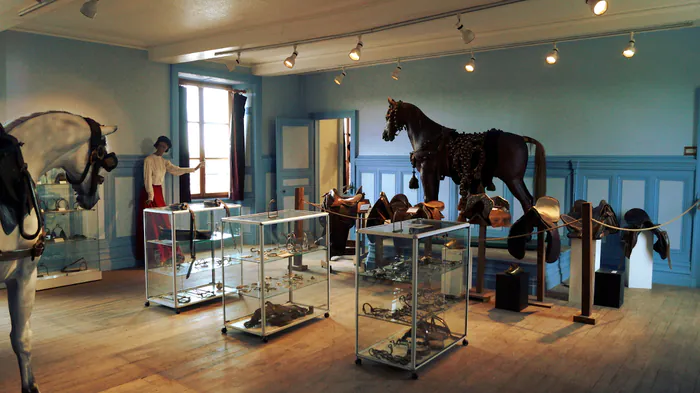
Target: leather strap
pixel 35 252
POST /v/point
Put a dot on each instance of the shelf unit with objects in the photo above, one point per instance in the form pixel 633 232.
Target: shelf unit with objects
pixel 281 273
pixel 413 307
pixel 182 266
pixel 72 235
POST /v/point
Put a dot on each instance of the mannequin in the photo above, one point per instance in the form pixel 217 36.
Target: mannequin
pixel 154 169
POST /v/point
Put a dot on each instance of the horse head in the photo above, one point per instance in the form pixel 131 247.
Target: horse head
pixel 83 165
pixel 394 122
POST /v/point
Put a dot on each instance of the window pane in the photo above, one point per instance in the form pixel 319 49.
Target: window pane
pixel 193 139
pixel 216 106
pixel 217 141
pixel 217 177
pixel 194 179
pixel 192 103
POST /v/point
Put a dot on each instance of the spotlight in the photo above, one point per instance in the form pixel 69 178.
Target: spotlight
pixel 631 49
pixel 289 61
pixel 339 79
pixel 467 35
pixel 89 9
pixel 397 71
pixel 355 53
pixel 599 7
pixel 471 65
pixel 553 56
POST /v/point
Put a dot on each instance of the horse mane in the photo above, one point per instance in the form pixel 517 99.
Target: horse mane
pixel 426 118
pixel 21 120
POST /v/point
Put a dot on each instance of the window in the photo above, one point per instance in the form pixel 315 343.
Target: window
pixel 208 132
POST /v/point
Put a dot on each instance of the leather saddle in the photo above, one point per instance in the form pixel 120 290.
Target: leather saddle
pixel 639 219
pixel 543 216
pixel 482 209
pixel 337 199
pixel 339 224
pixel 603 213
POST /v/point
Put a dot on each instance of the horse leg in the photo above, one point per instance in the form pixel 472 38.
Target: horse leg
pixel 20 297
pixel 519 190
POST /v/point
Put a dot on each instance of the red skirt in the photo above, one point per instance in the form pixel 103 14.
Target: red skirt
pixel 152 229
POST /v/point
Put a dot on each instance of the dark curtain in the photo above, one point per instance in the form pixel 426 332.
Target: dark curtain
pixel 237 157
pixel 184 158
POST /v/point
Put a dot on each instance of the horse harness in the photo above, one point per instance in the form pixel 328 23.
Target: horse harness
pixel 18 197
pixel 97 157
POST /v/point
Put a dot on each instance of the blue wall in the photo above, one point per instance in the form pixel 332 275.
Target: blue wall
pixel 3 76
pixel 592 93
pixel 613 128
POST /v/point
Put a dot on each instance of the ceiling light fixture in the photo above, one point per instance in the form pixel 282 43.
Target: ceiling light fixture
pixel 89 8
pixel 599 7
pixel 553 56
pixel 355 52
pixel 631 49
pixel 34 7
pixel 397 70
pixel 339 79
pixel 238 59
pixel 467 35
pixel 289 61
pixel 471 65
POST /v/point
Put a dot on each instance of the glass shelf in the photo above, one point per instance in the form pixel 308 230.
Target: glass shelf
pixel 216 237
pixel 255 258
pixel 194 295
pixel 450 305
pixel 318 278
pixel 67 211
pixel 197 268
pixel 238 324
pixel 421 359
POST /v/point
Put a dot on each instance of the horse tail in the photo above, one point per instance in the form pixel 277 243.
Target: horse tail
pixel 540 181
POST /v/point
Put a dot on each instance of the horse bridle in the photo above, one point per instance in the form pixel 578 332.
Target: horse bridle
pixel 97 157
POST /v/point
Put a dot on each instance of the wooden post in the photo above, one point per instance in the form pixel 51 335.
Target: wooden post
pixel 587 267
pixel 541 276
pixel 299 228
pixel 479 293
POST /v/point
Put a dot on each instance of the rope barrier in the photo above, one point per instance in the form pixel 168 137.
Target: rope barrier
pixel 318 205
pixel 528 234
pixel 650 228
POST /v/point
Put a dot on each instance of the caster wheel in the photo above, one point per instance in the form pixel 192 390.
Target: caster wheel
pixel 326 315
pixel 224 330
pixel 177 312
pixel 414 376
pixel 358 361
pixel 465 343
pixel 147 303
pixel 264 339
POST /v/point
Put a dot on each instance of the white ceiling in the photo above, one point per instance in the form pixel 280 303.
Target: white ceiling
pixel 176 31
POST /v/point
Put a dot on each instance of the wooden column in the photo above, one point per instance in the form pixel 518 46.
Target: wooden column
pixel 299 228
pixel 479 293
pixel 587 267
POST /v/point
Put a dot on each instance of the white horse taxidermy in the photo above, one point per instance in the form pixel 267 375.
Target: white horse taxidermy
pixel 49 140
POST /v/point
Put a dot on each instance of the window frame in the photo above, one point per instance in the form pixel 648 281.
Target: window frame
pixel 202 171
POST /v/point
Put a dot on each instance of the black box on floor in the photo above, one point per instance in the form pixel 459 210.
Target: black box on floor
pixel 609 288
pixel 511 291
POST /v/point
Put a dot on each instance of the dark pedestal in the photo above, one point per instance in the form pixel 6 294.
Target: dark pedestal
pixel 512 291
pixel 609 288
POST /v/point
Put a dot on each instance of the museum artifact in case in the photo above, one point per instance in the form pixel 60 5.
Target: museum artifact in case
pixel 280 271
pixel 413 307
pixel 183 266
pixel 72 235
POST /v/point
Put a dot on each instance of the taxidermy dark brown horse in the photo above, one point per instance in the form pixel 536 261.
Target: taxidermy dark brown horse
pixel 471 160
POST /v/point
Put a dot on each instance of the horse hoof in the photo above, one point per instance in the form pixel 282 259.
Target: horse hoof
pixel 32 389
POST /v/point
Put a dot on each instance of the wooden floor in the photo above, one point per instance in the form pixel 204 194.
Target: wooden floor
pixel 98 337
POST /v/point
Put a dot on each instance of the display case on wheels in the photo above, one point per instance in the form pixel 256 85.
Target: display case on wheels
pixel 183 266
pixel 280 271
pixel 414 306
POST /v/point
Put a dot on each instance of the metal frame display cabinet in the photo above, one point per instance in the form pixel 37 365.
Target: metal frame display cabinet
pixel 284 256
pixel 414 306
pixel 191 276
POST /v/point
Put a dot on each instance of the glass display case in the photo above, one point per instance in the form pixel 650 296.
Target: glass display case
pixel 281 271
pixel 183 266
pixel 72 235
pixel 413 307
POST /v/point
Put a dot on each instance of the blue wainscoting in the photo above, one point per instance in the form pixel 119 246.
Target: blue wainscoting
pixel 661 185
